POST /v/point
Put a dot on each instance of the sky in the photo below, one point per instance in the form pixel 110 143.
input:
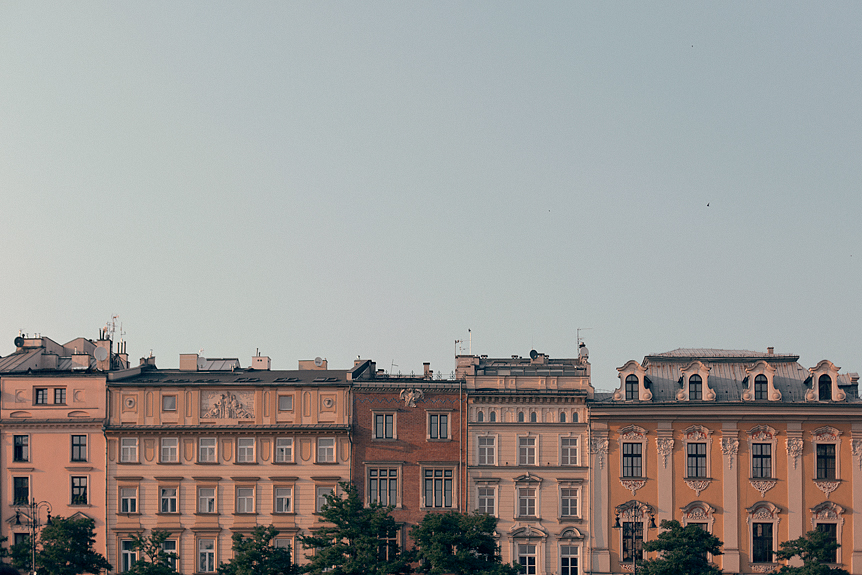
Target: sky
pixel 381 179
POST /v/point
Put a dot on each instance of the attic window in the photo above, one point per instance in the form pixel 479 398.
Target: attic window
pixel 695 387
pixel 824 388
pixel 286 379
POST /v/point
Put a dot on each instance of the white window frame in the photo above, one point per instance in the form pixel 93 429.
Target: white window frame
pixel 246 450
pixel 167 453
pixel 202 509
pixel 762 434
pixel 276 499
pixel 325 451
pixel 166 497
pixel 320 492
pixel 577 448
pixel 525 462
pixel 493 497
pixel 577 555
pixel 126 498
pixel 577 499
pixel 245 502
pixel 762 512
pixel 827 435
pixel 128 555
pixel 526 493
pixel 283 450
pixel 486 460
pixel 128 453
pixel 384 414
pixel 697 434
pixel 211 451
pixel 430 415
pixel 171 548
pixel 522 550
pixel 206 555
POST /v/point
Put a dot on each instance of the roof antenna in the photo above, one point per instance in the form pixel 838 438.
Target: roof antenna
pixel 580 339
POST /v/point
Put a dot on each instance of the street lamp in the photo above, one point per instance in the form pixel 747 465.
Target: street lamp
pixel 28 514
pixel 636 512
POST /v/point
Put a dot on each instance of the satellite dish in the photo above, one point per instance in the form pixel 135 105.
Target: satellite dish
pixel 19 341
pixel 318 361
pixel 583 351
pixel 101 353
pixel 534 354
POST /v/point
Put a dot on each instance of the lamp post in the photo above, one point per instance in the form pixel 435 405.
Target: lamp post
pixel 637 512
pixel 30 512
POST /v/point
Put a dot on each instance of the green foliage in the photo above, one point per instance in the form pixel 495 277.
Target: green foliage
pixel 21 555
pixel 815 549
pixel 257 555
pixel 66 548
pixel 683 550
pixel 459 543
pixel 351 543
pixel 152 559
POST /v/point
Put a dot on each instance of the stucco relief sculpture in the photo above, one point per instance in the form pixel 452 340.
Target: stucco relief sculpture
pixel 856 447
pixel 227 405
pixel 697 485
pixel 664 446
pixel 827 486
pixel 411 396
pixel 599 447
pixel 729 447
pixel 794 449
pixel 827 511
pixel 763 485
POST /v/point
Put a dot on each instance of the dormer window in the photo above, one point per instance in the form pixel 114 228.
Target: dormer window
pixel 761 387
pixel 824 388
pixel 694 383
pixel 632 386
pixel 759 383
pixel 695 387
pixel 824 383
pixel 634 383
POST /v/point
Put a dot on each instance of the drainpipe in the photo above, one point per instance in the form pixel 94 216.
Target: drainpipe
pixel 461 455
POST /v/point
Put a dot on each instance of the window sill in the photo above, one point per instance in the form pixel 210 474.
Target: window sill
pixel 528 518
pixel 128 514
pixel 326 463
pixel 245 463
pixel 244 514
pixel 570 519
pixel 206 463
pixel 129 462
pixel 281 513
pixel 79 505
pixel 445 440
pixel 284 462
pixel 637 478
pixel 168 463
pixel 168 513
pixel 208 514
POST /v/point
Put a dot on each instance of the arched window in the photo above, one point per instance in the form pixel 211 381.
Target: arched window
pixel 520 417
pixel 761 387
pixel 695 387
pixel 824 388
pixel 562 417
pixel 480 417
pixel 533 417
pixel 574 417
pixel 492 416
pixel 632 387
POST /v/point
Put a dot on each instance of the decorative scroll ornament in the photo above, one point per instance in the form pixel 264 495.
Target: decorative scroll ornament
pixel 228 406
pixel 827 511
pixel 630 567
pixel 729 447
pixel 762 567
pixel 632 432
pixel 826 434
pixel 857 450
pixel 794 449
pixel 826 486
pixel 696 433
pixel 763 485
pixel 664 446
pixel 411 396
pixel 633 484
pixel 599 447
pixel 762 433
pixel 698 485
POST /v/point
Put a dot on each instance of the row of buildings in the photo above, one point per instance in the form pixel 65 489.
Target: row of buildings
pixel 751 446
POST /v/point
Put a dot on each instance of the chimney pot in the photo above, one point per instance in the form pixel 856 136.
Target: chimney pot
pixel 770 350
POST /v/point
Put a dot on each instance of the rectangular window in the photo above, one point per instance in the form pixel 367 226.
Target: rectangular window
pixel 245 450
pixel 207 450
pixel 169 403
pixel 79 490
pixel 526 502
pixel 284 450
pixel 527 558
pixel 761 543
pixel 526 451
pixel 383 486
pixel 568 451
pixel 438 426
pixel 438 487
pixel 326 450
pixel 487 450
pixel 831 531
pixel 206 555
pixel 169 547
pixel 825 461
pixel 285 403
pixel 633 541
pixel 632 460
pixel 206 500
pixel 60 395
pixel 128 500
pixel 696 460
pixel 170 453
pixel 41 396
pixel 245 500
pixel 21 490
pixel 486 498
pixel 568 560
pixel 128 450
pixel 79 448
pixel 695 389
pixel 387 548
pixel 168 500
pixel 384 426
pixel 21 448
pixel 761 460
pixel 128 555
pixel 569 502
pixel 322 492
pixel 282 499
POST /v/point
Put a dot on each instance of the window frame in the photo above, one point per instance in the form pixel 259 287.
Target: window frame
pixel 127 501
pixel 631 386
pixel 575 496
pixel 245 503
pixel 172 501
pixel 320 492
pixel 128 555
pixel 79 495
pixel 696 434
pixel 20 451
pixel 76 455
pixel 822 437
pixel 40 396
pixel 762 435
pixel 567 452
pixel 206 556
pixel 275 499
pixel 389 425
pixel 830 513
pixel 285 396
pixel 169 406
pixel 525 456
pixel 523 554
pixel 210 450
pixel 436 425
pixel 761 513
pixel 17 498
pixel 246 453
pixel 128 449
pixel 490 495
pixel 430 473
pixel 486 455
pixel 570 569
pixel 279 450
pixel 60 392
pixel 374 482
pixel 164 448
pixel 321 449
pixel 173 556
pixel 204 503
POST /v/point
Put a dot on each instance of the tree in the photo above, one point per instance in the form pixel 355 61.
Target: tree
pixel 459 543
pixel 152 557
pixel 816 549
pixel 257 555
pixel 360 539
pixel 65 547
pixel 683 550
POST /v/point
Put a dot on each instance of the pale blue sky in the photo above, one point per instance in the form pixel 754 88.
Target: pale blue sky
pixel 343 179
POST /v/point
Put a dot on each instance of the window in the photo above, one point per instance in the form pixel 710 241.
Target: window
pixel 206 555
pixel 632 391
pixel 128 500
pixel 20 490
pixel 79 490
pixel 128 555
pixel 761 550
pixel 41 396
pixel 245 499
pixel 486 500
pixel 632 460
pixel 825 461
pixel 633 541
pixel 761 387
pixel 169 403
pixel 21 448
pixel 384 424
pixel 533 417
pixel 520 417
pixel 168 500
pixel 321 493
pixel 695 387
pixel 568 560
pixel 492 417
pixel 60 395
pixel 526 451
pixel 169 546
pixel 284 450
pixel 562 417
pixel 245 450
pixel 696 460
pixel 79 448
pixel 761 460
pixel 285 403
pixel 526 502
pixel 527 558
pixel 831 531
pixel 569 502
pixel 487 453
pixel 438 426
pixel 480 417
pixel 207 450
pixel 824 388
pixel 282 544
pixel 383 486
pixel 568 451
pixel 282 499
pixel 326 450
pixel 206 500
pixel 438 487
pixel 128 450
pixel 387 548
pixel 170 450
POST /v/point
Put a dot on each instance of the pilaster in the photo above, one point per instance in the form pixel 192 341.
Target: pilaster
pixel 730 482
pixel 856 481
pixel 664 450
pixel 599 523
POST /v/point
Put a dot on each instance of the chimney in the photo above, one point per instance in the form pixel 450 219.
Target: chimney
pixel 103 358
pixel 770 350
pixel 261 362
pixel 188 362
pixel 427 370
